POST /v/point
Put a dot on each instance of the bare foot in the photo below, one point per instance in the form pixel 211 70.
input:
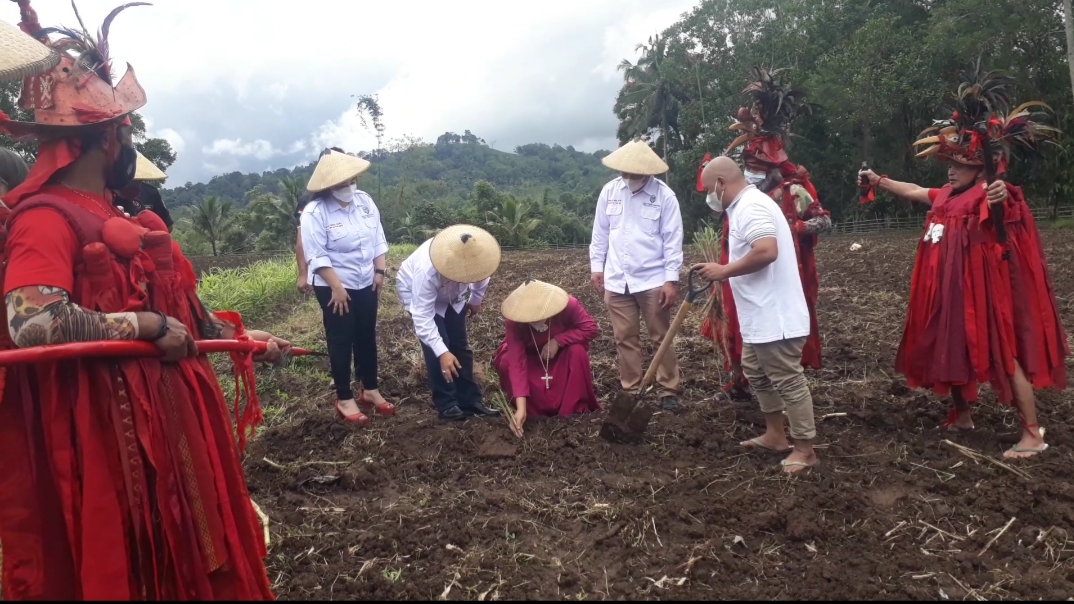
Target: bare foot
pixel 349 407
pixel 799 461
pixel 963 422
pixel 1032 444
pixel 772 441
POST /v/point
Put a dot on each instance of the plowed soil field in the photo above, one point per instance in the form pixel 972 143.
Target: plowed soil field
pixel 412 508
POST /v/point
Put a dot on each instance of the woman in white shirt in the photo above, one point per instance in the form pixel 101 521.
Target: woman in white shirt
pixel 345 247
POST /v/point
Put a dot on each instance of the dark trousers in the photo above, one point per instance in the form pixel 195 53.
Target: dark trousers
pixel 463 392
pixel 354 333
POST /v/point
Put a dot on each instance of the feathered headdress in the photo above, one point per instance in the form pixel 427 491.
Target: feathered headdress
pixel 982 108
pixel 765 122
pixel 78 91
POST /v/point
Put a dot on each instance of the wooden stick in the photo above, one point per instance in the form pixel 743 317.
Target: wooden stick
pixel 264 521
pixel 974 455
pixel 996 537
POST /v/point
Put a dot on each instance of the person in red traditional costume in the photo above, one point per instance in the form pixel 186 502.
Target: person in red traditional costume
pixel 982 306
pixel 121 477
pixel 765 125
pixel 543 362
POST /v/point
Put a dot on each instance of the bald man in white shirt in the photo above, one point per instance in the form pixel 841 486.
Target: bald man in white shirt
pixel 763 272
pixel 636 257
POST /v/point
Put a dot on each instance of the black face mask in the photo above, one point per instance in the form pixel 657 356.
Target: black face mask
pixel 122 173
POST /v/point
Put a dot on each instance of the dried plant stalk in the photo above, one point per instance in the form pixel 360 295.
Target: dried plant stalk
pixel 707 241
pixel 500 402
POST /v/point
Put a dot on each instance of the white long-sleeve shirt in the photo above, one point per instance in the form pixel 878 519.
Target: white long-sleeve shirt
pixel 347 239
pixel 426 294
pixel 637 237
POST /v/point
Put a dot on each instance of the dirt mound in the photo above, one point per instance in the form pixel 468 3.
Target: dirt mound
pixel 412 508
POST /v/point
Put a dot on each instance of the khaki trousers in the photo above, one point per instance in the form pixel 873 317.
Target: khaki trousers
pixel 775 371
pixel 626 312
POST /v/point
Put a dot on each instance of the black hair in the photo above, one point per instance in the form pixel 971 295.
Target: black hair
pixel 13 168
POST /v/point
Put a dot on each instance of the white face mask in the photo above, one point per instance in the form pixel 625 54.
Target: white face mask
pixel 540 326
pixel 346 194
pixel 634 185
pixel 754 178
pixel 715 202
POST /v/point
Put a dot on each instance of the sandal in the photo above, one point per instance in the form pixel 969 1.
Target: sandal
pixel 798 464
pixel 384 409
pixel 755 444
pixel 1032 452
pixel 358 419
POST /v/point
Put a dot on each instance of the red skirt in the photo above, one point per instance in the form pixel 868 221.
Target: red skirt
pixel 972 314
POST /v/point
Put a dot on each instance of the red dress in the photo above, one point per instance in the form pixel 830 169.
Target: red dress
pixel 807 269
pixel 520 368
pixel 972 314
pixel 120 478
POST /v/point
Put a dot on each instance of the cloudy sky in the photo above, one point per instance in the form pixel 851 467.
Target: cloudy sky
pixel 255 85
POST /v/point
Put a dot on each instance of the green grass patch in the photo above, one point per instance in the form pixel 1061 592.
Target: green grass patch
pixel 265 290
pixel 257 291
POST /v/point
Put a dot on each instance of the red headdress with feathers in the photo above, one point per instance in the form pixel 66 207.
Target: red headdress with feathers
pixel 74 97
pixel 982 102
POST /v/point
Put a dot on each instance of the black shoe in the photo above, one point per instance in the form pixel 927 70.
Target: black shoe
pixel 480 410
pixel 670 403
pixel 453 414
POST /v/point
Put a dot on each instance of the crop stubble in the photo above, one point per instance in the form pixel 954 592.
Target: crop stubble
pixel 412 508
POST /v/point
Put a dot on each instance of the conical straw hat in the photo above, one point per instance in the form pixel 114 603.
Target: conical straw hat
pixel 465 253
pixel 21 55
pixel 335 169
pixel 147 170
pixel 636 158
pixel 534 301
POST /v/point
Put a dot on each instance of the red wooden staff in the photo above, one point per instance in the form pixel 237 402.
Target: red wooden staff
pixel 126 348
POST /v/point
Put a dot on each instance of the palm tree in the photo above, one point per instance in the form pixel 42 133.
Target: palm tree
pixel 650 98
pixel 511 224
pixel 212 219
pixel 411 231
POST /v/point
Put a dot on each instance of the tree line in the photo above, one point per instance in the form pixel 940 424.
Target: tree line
pixel 877 73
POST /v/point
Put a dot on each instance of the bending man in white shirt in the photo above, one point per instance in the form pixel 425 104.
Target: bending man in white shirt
pixel 763 272
pixel 441 284
pixel 635 257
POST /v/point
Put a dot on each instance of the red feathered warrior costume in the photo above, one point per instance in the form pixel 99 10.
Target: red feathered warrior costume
pixel 977 304
pixel 120 478
pixel 764 126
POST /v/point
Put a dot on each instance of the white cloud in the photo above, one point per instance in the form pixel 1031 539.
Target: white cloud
pixel 260 149
pixel 174 139
pixel 255 76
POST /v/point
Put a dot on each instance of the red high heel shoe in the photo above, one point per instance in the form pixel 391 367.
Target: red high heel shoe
pixel 359 418
pixel 384 409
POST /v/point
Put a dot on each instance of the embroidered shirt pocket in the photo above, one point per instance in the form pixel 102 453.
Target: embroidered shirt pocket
pixel 614 212
pixel 650 222
pixel 337 231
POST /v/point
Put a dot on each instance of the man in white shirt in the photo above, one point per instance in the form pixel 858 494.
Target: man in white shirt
pixel 442 283
pixel 635 257
pixel 763 272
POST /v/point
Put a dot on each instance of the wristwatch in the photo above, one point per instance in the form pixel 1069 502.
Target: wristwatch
pixel 381 271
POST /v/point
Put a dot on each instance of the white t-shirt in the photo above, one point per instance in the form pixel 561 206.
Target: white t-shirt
pixel 771 303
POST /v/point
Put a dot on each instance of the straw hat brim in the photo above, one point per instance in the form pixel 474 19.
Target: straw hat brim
pixel 335 169
pixel 534 301
pixel 22 56
pixel 465 254
pixel 147 171
pixel 635 158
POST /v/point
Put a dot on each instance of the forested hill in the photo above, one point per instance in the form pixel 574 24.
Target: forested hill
pixel 443 172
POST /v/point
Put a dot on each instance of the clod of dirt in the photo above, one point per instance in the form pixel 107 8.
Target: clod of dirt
pixel 496 447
